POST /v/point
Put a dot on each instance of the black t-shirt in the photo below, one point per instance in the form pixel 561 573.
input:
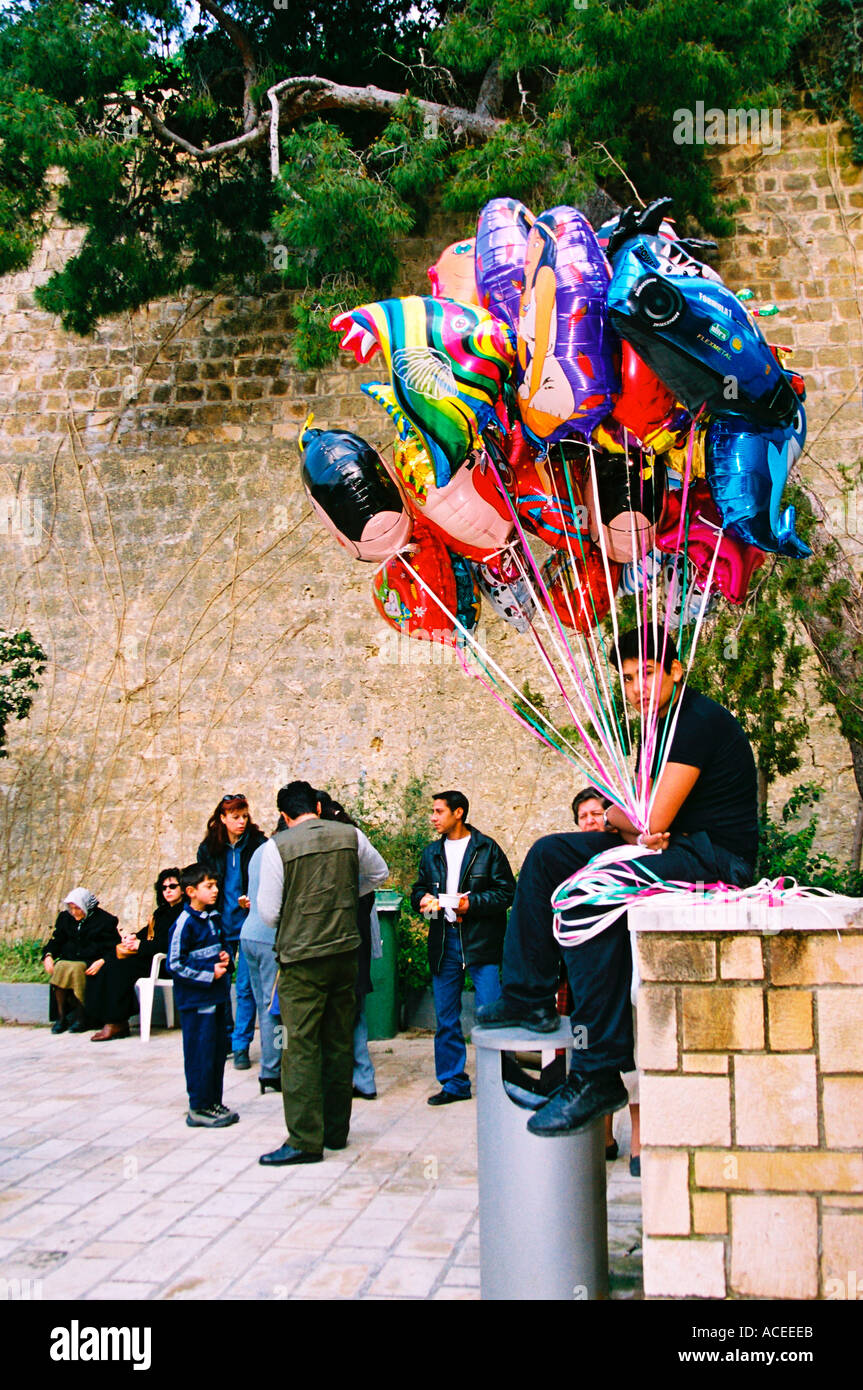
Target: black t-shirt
pixel 724 800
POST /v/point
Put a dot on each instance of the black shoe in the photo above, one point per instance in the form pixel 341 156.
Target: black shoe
pixel 287 1154
pixel 241 1060
pixel 333 1144
pixel 580 1100
pixel 445 1098
pixel 635 1166
pixel 363 1095
pixel 611 1151
pixel 62 1024
pixel 270 1083
pixel 80 1024
pixel 500 1014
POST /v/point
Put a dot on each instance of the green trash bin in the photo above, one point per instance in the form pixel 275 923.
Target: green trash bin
pixel 382 1005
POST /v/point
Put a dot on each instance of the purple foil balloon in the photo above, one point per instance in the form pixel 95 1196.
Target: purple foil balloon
pixel 501 241
pixel 568 355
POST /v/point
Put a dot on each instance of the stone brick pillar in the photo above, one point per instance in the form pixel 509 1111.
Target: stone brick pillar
pixel 750 1045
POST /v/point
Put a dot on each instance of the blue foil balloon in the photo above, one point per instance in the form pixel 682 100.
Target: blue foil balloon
pixel 747 468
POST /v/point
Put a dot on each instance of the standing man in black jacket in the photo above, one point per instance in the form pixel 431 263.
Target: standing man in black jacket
pixel 466 929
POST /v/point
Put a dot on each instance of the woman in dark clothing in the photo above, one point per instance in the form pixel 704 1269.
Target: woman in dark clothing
pixel 227 848
pixel 110 997
pixel 83 937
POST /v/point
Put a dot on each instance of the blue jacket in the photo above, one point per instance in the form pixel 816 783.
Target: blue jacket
pixel 197 938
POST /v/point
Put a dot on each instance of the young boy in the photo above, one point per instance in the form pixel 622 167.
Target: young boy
pixel 200 967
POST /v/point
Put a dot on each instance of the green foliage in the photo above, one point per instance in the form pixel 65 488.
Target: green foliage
pixel 21 962
pixel 787 848
pixel 398 825
pixel 829 61
pixel 21 661
pixel 750 660
pixel 335 214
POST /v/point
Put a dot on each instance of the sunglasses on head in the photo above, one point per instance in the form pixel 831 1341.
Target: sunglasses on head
pixel 233 796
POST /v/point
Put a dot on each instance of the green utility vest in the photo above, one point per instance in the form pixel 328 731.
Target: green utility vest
pixel 319 904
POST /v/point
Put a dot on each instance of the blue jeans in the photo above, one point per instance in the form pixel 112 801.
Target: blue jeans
pixel 450 1054
pixel 244 1023
pixel 263 968
pixel 364 1071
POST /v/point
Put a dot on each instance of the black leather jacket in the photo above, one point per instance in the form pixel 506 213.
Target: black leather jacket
pixel 487 877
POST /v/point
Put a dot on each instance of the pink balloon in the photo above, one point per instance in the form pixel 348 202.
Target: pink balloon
pixel 452 275
pixel 736 562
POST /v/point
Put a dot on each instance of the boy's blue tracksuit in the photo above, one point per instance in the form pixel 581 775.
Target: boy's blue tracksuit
pixel 197 938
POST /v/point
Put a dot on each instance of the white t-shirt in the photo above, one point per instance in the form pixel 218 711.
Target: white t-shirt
pixel 455 851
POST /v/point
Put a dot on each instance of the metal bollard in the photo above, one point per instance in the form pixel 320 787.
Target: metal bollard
pixel 542 1216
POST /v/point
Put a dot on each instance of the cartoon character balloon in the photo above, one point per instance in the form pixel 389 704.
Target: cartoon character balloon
pixel 352 494
pixel 452 275
pixel 447 364
pixel 405 603
pixel 747 468
pixel 567 373
pixel 501 242
pixel 469 512
pixel 578 587
pixel 624 500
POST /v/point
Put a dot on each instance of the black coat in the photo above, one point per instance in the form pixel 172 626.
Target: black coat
pixel 88 940
pixel 488 878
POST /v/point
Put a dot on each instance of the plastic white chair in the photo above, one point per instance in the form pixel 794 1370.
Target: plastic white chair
pixel 146 988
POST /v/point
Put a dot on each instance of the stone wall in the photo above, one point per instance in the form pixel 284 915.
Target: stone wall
pixel 206 635
pixel 751 1096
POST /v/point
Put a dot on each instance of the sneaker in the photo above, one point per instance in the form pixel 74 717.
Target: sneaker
pixel 223 1110
pixel 211 1118
pixel 580 1100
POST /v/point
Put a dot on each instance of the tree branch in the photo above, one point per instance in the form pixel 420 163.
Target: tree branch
pixel 243 43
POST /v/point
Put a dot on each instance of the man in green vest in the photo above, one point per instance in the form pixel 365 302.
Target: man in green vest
pixel 308 891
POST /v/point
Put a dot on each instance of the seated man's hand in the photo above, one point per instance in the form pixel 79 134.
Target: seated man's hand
pixel 656 841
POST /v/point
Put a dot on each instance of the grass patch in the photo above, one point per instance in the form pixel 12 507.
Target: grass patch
pixel 21 962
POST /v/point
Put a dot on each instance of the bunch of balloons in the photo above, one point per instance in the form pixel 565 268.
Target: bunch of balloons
pixel 579 413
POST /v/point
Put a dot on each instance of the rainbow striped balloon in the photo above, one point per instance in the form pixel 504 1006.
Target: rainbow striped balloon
pixel 447 364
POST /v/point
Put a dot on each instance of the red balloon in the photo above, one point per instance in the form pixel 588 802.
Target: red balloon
pixel 736 562
pixel 578 587
pixel 404 603
pixel 645 405
pixel 540 492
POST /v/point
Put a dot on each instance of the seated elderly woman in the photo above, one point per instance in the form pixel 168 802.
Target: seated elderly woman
pixel 110 998
pixel 84 933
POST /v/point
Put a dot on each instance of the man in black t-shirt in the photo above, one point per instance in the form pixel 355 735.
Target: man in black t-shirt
pixel 704 823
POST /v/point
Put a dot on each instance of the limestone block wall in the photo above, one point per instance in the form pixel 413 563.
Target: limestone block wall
pixel 751 1054
pixel 205 635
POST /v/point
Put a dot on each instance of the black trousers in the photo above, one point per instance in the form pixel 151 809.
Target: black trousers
pixel 599 970
pixel 204 1052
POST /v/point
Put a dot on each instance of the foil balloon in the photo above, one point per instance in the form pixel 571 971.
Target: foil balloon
pixel 736 561
pixel 501 242
pixel 546 493
pixel 468 513
pixel 447 365
pixel 676 457
pixel 405 604
pixel 468 602
pixel 503 586
pixel 567 372
pixel 686 600
pixel 352 494
pixel 452 275
pixel 747 469
pixel 645 406
pixel 624 501
pixel 696 335
pixel 578 587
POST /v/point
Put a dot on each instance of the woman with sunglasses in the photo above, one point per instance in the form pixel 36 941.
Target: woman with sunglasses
pixel 227 848
pixel 111 998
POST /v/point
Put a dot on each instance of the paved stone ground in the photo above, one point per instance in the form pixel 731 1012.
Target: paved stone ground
pixel 106 1193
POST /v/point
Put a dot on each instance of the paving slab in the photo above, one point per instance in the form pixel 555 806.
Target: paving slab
pixel 105 1192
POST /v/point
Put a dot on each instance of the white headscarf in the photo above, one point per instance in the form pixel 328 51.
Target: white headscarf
pixel 81 898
